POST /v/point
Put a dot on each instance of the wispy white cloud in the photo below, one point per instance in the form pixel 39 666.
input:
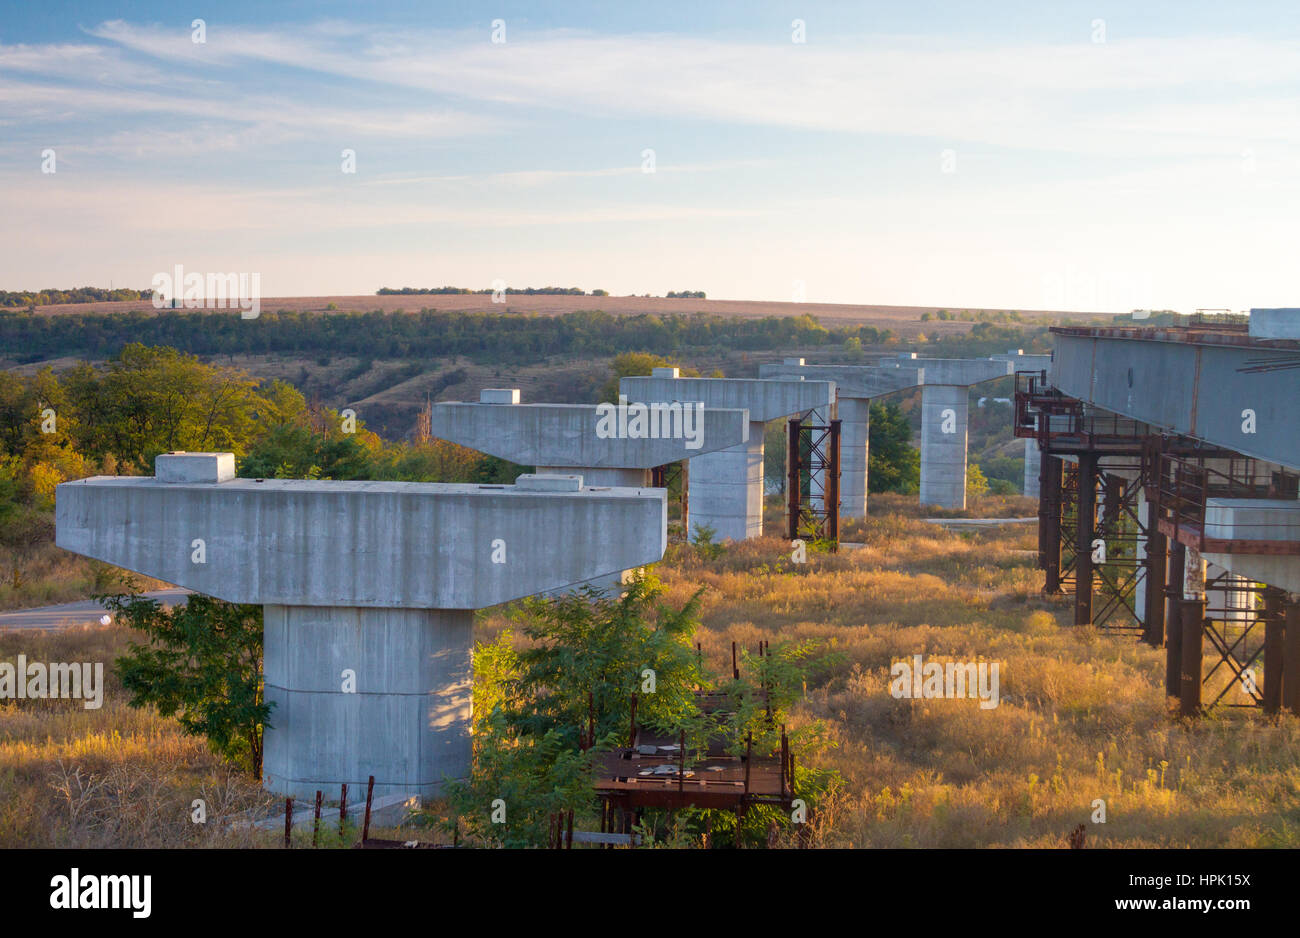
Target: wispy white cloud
pixel 1110 97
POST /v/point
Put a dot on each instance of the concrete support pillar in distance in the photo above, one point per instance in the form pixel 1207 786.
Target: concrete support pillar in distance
pixel 943 445
pixel 855 436
pixel 727 490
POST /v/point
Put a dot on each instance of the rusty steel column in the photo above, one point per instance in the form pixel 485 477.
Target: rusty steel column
pixel 1049 522
pixel 1192 611
pixel 1274 629
pixel 792 492
pixel 1173 619
pixel 1085 529
pixel 1153 619
pixel 1291 657
pixel 1189 691
pixel 832 484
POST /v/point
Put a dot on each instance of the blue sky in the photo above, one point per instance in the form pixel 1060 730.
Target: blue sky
pixel 1011 155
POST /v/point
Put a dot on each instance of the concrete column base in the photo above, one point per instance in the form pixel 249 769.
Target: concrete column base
pixel 944 411
pixel 727 489
pixel 408 721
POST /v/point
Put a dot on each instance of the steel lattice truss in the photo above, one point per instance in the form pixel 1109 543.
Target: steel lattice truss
pixel 813 481
pixel 1236 618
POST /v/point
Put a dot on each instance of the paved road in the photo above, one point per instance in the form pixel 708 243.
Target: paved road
pixel 70 614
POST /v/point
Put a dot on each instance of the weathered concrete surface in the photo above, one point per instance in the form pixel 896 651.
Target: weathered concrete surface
pixel 944 412
pixel 727 486
pixel 567 434
pixel 859 381
pixel 368 589
pixel 1275 323
pixel 380 544
pixel 727 490
pixel 1196 388
pixel 954 371
pixel 765 400
pixel 196 467
pixel 406 718
pixel 855 440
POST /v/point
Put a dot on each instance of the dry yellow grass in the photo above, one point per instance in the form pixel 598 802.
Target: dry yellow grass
pixel 1081 716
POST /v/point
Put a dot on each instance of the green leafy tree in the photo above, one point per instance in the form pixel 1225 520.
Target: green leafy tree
pixel 893 464
pixel 632 364
pixel 201 663
pixel 541 713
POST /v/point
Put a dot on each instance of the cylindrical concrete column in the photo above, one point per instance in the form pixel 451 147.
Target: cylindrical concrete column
pixel 943 445
pixel 361 692
pixel 855 441
pixel 727 489
pixel 1033 460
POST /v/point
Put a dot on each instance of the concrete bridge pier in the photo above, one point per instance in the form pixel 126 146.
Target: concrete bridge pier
pixel 368 591
pixel 944 414
pixel 361 692
pixel 855 437
pixel 727 489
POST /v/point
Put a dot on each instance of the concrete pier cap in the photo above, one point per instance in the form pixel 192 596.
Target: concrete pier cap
pixel 578 438
pixel 727 485
pixel 368 590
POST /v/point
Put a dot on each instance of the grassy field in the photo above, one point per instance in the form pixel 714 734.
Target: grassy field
pixel 1082 715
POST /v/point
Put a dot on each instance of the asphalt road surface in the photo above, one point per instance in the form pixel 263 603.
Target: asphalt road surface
pixel 88 612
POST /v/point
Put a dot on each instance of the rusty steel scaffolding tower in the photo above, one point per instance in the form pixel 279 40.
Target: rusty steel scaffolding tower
pixel 813 481
pixel 1096 471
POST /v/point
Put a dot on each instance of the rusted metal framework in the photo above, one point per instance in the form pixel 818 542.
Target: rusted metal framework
pixel 1187 483
pixel 1094 467
pixel 813 481
pixel 663 477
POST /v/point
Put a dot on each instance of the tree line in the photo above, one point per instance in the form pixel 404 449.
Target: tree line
pixel 516 338
pixel 50 296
